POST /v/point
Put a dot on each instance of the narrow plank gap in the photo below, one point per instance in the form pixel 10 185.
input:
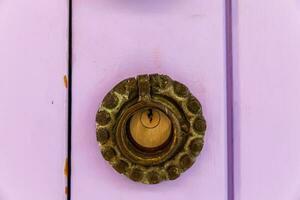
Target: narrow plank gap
pixel 229 99
pixel 69 153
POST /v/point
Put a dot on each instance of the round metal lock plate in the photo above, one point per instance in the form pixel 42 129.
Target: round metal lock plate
pixel 150 128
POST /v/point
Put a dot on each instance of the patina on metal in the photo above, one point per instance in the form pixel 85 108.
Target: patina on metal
pixel 150 128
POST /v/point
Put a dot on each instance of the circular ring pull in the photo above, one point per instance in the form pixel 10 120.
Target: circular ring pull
pixel 150 128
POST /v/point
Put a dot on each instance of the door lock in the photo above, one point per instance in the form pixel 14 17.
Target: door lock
pixel 150 128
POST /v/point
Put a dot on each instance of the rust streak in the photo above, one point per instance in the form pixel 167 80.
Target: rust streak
pixel 66 190
pixel 66 169
pixel 66 81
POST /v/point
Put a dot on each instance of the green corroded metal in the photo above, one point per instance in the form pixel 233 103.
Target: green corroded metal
pixel 150 91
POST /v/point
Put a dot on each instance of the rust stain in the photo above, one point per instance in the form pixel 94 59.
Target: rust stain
pixel 66 169
pixel 66 172
pixel 66 81
pixel 157 57
pixel 66 190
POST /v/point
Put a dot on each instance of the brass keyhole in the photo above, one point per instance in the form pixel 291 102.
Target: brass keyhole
pixel 150 114
pixel 150 118
pixel 150 128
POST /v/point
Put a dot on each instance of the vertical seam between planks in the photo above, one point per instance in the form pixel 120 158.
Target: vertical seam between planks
pixel 69 153
pixel 229 100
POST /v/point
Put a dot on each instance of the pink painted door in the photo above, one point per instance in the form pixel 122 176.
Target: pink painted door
pixel 267 96
pixel 115 39
pixel 33 99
